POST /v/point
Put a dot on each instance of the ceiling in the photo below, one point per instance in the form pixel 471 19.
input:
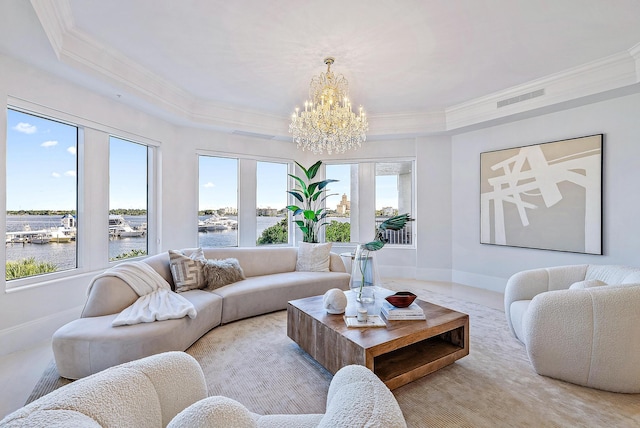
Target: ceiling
pixel 202 61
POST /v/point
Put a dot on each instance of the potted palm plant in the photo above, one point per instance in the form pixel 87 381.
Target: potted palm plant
pixel 311 195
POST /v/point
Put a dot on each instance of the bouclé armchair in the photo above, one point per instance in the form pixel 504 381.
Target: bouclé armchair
pixel 579 323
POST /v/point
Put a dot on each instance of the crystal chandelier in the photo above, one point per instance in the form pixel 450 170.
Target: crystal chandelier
pixel 327 122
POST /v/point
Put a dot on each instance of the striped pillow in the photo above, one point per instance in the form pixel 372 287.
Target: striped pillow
pixel 186 270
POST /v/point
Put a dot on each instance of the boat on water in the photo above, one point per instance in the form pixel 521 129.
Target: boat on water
pixel 41 239
pixel 119 228
pixel 65 232
pixel 217 223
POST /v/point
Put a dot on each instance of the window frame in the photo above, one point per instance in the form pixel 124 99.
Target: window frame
pixel 236 157
pixel 413 204
pixel 288 197
pixel 148 168
pixel 26 282
pixel 93 134
pixel 353 188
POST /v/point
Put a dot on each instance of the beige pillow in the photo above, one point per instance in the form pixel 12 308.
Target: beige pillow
pixel 186 270
pixel 587 283
pixel 218 273
pixel 313 257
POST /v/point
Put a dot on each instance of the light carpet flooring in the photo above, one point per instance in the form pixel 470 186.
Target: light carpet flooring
pixel 254 362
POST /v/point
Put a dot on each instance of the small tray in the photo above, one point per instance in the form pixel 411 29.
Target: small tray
pixel 372 321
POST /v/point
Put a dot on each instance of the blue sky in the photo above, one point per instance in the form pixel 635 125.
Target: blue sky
pixel 127 174
pixel 42 166
pixel 41 163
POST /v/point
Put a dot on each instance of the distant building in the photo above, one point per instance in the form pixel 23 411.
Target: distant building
pixel 389 211
pixel 268 212
pixel 344 206
pixel 228 211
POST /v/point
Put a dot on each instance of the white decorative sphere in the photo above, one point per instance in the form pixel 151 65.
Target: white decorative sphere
pixel 335 301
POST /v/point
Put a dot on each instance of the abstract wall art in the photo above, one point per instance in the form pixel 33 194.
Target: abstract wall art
pixel 545 196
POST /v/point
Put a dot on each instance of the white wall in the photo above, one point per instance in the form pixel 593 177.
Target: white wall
pixel 489 266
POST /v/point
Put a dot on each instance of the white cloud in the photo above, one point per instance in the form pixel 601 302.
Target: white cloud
pixel 209 184
pixel 49 143
pixel 26 128
pixel 70 174
pixel 72 150
pixel 55 175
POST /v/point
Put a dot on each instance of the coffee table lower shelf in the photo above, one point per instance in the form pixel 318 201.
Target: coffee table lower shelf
pixel 412 362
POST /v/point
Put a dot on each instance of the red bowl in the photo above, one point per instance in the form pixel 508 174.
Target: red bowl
pixel 401 299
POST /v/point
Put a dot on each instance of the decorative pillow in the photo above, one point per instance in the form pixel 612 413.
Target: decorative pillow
pixel 313 257
pixel 222 272
pixel 588 283
pixel 187 270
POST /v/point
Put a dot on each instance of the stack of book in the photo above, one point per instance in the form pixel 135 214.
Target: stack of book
pixel 411 312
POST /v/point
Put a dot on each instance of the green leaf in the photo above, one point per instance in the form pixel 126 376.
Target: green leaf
pixel 373 245
pixel 395 223
pixel 303 185
pixel 313 170
pixel 293 208
pixel 306 173
pixel 324 183
pixel 309 214
pixel 297 195
pixel 312 188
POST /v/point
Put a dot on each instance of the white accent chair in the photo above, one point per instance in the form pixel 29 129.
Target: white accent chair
pixel 169 389
pixel 579 323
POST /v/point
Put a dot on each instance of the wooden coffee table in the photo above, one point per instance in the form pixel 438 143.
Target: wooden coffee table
pixel 400 353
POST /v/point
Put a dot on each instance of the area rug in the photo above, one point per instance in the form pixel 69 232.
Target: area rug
pixel 253 361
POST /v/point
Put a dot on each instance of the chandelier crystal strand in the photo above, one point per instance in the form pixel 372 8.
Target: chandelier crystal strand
pixel 328 121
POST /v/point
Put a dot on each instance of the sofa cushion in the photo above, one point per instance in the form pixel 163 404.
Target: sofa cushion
pixel 587 283
pixel 187 270
pixel 267 293
pixel 257 261
pixel 218 273
pixel 313 257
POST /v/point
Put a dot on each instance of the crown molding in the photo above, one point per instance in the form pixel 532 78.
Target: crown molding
pixel 79 50
pixel 634 51
pixel 56 19
pixel 613 72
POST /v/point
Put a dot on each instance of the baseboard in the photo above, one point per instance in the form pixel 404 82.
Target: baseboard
pixel 397 272
pixel 29 334
pixel 491 283
pixel 433 274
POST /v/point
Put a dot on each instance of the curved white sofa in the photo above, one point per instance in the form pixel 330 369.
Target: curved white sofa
pixel 90 344
pixel 169 389
pixel 588 334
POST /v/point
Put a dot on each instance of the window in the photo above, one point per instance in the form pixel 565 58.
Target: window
pixel 394 195
pixel 128 183
pixel 41 198
pixel 271 203
pixel 338 202
pixel 218 202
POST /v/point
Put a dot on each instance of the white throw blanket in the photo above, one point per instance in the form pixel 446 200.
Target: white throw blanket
pixel 156 302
